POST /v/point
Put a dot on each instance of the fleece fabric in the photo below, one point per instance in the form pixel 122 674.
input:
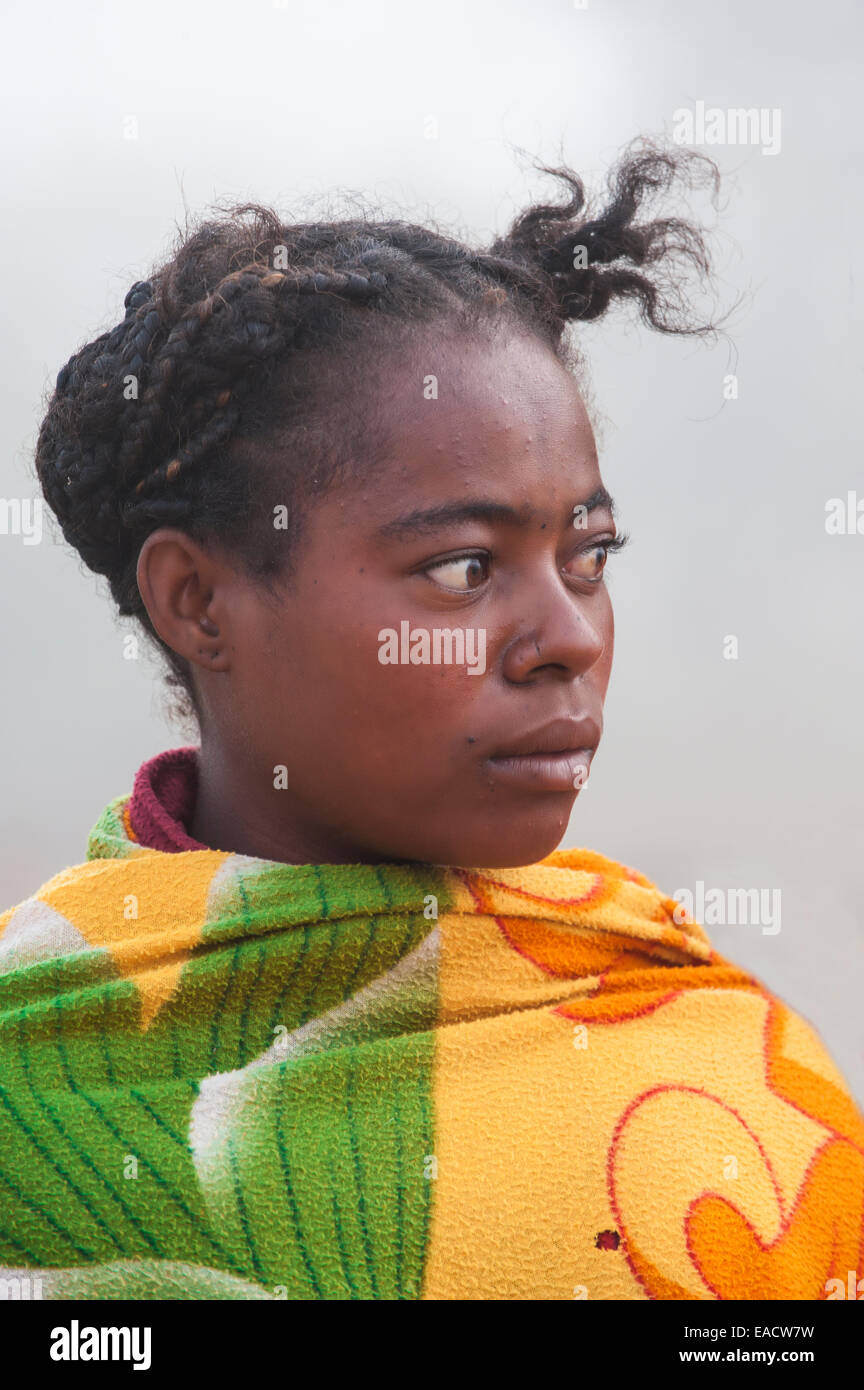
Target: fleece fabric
pixel 223 1077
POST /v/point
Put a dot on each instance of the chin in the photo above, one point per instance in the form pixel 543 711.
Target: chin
pixel 511 845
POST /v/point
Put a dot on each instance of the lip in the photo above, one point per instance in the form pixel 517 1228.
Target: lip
pixel 549 758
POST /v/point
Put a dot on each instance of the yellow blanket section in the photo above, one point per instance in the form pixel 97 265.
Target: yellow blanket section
pixel 620 1113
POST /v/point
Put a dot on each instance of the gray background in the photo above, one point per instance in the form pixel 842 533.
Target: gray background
pixel 738 773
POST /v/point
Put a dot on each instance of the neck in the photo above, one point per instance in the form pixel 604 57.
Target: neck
pixel 238 809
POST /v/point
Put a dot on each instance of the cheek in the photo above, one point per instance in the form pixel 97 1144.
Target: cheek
pixel 321 676
pixel 607 631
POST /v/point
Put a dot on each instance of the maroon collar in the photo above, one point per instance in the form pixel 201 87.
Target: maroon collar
pixel 163 801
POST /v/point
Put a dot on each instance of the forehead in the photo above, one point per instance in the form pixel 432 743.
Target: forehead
pixel 459 413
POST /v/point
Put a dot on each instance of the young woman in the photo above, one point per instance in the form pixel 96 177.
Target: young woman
pixel 324 1014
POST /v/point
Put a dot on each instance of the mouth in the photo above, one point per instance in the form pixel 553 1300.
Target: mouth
pixel 554 758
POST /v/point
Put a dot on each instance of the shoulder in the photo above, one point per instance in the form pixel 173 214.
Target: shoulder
pixel 64 914
pixel 589 861
pixel 43 925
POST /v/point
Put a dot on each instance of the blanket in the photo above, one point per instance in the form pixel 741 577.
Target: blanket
pixel 227 1078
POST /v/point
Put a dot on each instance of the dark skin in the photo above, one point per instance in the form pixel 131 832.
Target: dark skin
pixel 411 761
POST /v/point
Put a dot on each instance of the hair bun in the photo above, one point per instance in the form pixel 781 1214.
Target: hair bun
pixel 140 293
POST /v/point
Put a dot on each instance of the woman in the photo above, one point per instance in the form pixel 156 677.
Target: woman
pixel 279 1035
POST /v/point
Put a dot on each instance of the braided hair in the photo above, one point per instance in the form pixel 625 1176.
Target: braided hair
pixel 256 329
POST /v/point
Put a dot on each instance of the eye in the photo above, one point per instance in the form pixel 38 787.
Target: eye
pixel 590 563
pixel 461 575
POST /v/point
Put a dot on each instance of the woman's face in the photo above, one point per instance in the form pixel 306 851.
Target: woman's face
pixel 392 750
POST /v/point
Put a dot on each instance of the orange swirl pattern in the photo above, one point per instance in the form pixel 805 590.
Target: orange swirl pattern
pixel 685 1134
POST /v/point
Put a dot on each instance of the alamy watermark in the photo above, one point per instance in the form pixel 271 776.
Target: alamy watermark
pixel 853 1289
pixel 77 1343
pixel 844 516
pixel 21 516
pixel 722 907
pixel 733 125
pixel 20 1286
pixel 442 646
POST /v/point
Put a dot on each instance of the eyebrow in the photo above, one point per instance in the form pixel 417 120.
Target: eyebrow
pixel 425 520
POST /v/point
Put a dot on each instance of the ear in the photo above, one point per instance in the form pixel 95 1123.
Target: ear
pixel 185 589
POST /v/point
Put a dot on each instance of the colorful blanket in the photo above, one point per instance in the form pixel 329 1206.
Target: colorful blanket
pixel 228 1078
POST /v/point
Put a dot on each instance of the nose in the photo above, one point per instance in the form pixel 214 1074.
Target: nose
pixel 565 636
